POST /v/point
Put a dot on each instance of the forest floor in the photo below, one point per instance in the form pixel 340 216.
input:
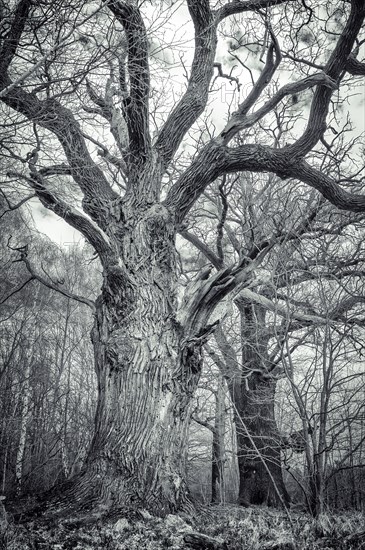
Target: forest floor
pixel 217 528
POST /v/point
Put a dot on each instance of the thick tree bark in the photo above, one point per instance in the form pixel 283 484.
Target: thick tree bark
pixel 252 392
pixel 259 459
pixel 258 440
pixel 146 377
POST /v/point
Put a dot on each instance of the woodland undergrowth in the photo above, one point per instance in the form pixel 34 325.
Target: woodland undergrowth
pixel 215 528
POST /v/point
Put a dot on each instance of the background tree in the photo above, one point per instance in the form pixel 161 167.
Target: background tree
pixel 325 382
pixel 47 385
pixel 293 236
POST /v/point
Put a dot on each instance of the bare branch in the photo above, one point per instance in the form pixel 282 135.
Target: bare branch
pixel 55 170
pixel 273 59
pixel 237 6
pixel 107 110
pixel 23 257
pixel 208 253
pixel 8 86
pixel 74 218
pixel 334 69
pixel 17 289
pixel 14 206
pixel 229 77
pixel 346 305
pixel 344 200
pixel 241 120
pixel 136 104
pixel 189 186
pixel 215 160
pixel 56 287
pixel 11 41
pixel 295 320
pixel 281 310
pixel 203 423
pixel 192 104
pixel 354 66
pixel 103 152
pixel 60 121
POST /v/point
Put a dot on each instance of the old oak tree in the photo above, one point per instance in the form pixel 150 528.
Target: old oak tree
pixel 65 65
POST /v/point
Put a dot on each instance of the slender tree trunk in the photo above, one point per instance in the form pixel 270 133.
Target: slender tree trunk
pixel 146 378
pixel 316 492
pixel 254 401
pixel 218 447
pixel 4 435
pixel 5 464
pixel 24 419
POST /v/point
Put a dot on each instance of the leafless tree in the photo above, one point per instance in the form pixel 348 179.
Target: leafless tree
pixel 76 82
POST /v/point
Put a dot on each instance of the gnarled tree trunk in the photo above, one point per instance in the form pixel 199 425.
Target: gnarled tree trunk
pixel 146 378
